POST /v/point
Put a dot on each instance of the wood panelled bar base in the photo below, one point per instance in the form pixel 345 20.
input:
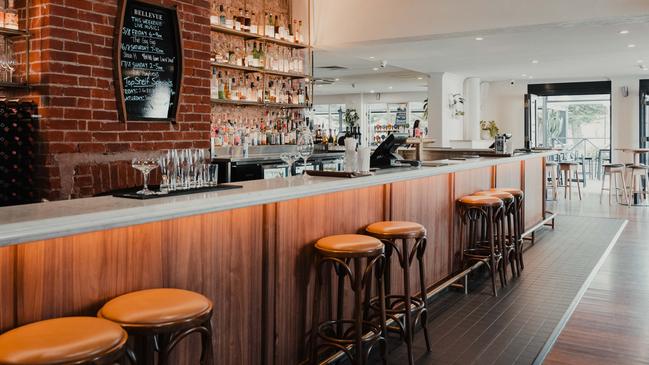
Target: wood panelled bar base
pixel 253 263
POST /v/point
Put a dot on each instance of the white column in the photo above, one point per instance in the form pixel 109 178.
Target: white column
pixel 437 105
pixel 471 130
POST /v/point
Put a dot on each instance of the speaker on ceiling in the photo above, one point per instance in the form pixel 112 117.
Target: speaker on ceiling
pixel 625 91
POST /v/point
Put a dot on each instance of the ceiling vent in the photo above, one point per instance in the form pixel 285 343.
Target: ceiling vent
pixel 332 68
pixel 323 81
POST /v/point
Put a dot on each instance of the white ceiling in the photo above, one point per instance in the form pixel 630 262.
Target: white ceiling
pixel 584 49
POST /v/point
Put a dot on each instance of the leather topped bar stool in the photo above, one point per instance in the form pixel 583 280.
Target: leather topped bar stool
pixel 569 168
pixel 507 229
pixel 615 172
pixel 479 217
pixel 346 254
pixel 413 245
pixel 163 316
pixel 68 340
pixel 519 195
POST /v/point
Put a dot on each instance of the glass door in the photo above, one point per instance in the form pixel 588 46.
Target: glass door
pixel 644 114
pixel 531 121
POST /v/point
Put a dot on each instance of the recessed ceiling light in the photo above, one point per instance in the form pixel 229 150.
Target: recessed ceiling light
pixel 524 75
pixel 371 57
pixel 420 78
pixel 530 77
pixel 478 38
pixel 372 91
pixel 631 45
pixel 390 87
pixel 624 32
pixel 375 69
pixel 535 61
pixel 336 79
pixel 640 61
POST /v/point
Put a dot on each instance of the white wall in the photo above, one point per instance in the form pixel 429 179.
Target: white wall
pixel 504 103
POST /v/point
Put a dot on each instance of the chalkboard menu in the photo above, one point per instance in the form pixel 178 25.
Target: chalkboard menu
pixel 149 67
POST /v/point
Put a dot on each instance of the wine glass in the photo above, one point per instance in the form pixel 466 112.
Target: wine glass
pixel 145 165
pixel 305 146
pixel 289 158
pixel 165 166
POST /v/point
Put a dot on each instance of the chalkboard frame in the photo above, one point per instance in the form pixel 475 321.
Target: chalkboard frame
pixel 117 57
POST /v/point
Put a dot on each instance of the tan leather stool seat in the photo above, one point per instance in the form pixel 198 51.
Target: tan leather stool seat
pixel 502 195
pixel 61 341
pixel 155 307
pixel 514 191
pixel 349 244
pixel 396 228
pixel 480 200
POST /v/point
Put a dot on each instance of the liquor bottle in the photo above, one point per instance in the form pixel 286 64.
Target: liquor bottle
pixel 270 26
pixel 296 31
pixel 222 17
pixel 214 84
pixel 276 28
pixel 238 20
pixel 214 14
pixel 229 19
pixel 299 27
pixel 246 22
pixel 221 91
pixel 11 16
pixel 227 95
pixel 253 23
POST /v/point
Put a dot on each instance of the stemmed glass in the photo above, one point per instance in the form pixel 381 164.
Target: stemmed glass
pixel 305 146
pixel 145 165
pixel 289 158
pixel 165 166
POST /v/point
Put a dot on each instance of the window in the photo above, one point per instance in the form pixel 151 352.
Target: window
pixel 328 116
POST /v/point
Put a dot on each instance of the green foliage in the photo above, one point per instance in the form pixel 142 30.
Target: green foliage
pixel 351 117
pixel 585 113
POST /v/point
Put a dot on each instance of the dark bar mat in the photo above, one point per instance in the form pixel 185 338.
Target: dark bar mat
pixel 132 193
pixel 479 329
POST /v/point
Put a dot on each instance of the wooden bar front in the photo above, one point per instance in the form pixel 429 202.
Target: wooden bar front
pixel 254 263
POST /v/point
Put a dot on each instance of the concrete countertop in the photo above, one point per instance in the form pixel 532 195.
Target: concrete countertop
pixel 31 222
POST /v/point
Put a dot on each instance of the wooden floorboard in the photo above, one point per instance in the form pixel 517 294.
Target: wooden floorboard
pixel 611 323
pixel 512 328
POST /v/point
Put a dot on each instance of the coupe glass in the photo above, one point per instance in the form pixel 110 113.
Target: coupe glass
pixel 145 165
pixel 289 158
pixel 305 145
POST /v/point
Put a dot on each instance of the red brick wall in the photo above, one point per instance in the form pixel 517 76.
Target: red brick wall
pixel 84 148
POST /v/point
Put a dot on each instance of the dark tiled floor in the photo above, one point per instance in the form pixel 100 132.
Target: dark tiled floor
pixel 512 328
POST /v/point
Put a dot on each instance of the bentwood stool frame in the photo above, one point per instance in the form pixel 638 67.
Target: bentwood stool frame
pixel 507 229
pixel 402 305
pixel 164 337
pixel 480 215
pixel 567 169
pixel 360 330
pixel 519 195
pixel 614 171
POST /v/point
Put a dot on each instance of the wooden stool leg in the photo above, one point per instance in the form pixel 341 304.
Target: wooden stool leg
pixel 207 350
pixel 358 312
pixel 421 249
pixel 407 303
pixel 601 192
pixel 624 189
pixel 493 262
pixel 578 184
pixel 610 187
pixel 315 318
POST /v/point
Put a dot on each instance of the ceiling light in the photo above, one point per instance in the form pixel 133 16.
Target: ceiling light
pixel 420 78
pixel 631 45
pixel 375 69
pixel 624 32
pixel 336 79
pixel 524 75
pixel 640 61
pixel 478 38
pixel 390 87
pixel 371 57
pixel 535 61
pixel 530 77
pixel 372 91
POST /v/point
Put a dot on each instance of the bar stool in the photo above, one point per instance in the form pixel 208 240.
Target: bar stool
pixel 478 214
pixel 413 245
pixel 638 175
pixel 508 240
pixel 68 340
pixel 359 333
pixel 163 317
pixel 613 171
pixel 568 168
pixel 519 195
pixel 551 166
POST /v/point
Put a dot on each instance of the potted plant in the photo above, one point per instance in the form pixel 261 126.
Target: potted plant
pixel 457 105
pixel 488 129
pixel 351 118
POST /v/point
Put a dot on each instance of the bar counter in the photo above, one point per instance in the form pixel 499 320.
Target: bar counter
pixel 248 250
